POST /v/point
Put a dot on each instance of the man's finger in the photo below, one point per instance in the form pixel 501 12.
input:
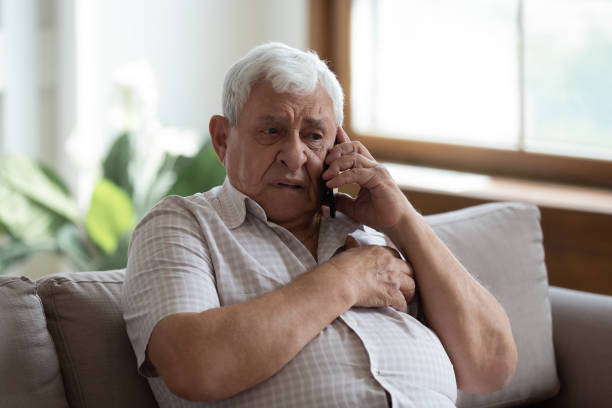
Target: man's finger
pixel 399 303
pixel 347 148
pixel 395 252
pixel 347 162
pixel 406 267
pixel 351 242
pixel 345 204
pixel 407 286
pixel 341 135
pixel 358 176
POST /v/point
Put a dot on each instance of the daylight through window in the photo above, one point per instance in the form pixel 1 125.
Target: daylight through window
pixel 516 75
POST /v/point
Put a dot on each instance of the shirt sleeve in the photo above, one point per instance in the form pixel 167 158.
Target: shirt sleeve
pixel 169 271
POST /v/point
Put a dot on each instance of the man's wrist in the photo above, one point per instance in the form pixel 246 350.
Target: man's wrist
pixel 336 282
pixel 408 226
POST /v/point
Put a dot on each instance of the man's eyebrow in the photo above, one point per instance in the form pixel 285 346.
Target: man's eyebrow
pixel 314 122
pixel 270 118
pixel 311 121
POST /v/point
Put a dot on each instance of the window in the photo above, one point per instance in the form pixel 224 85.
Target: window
pixel 518 87
pixel 568 77
pixel 424 70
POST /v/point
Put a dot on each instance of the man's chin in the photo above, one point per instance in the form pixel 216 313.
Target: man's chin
pixel 290 212
pixel 286 206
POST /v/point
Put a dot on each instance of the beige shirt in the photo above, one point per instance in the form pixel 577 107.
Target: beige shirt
pixel 217 248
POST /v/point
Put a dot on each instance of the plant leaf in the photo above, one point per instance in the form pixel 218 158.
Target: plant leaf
pixel 199 173
pixel 3 229
pixel 164 179
pixel 115 260
pixel 26 177
pixel 52 175
pixel 17 251
pixel 116 165
pixel 110 215
pixel 70 244
pixel 24 219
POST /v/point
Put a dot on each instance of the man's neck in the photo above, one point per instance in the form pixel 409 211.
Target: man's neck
pixel 307 232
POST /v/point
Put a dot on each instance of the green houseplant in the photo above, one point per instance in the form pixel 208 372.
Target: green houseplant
pixel 38 213
pixel 145 162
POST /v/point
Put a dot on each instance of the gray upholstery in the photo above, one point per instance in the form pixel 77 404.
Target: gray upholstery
pixel 85 320
pixel 582 325
pixel 501 245
pixel 30 373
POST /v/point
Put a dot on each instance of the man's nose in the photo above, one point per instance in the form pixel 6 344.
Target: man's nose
pixel 293 152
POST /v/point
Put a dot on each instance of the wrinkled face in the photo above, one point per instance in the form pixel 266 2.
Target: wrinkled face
pixel 275 154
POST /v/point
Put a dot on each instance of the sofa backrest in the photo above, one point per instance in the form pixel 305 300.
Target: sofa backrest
pixel 30 371
pixel 63 344
pixel 84 318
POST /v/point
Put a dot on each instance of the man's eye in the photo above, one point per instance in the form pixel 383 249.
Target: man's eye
pixel 268 136
pixel 316 136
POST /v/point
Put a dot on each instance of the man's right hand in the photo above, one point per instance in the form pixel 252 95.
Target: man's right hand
pixel 376 275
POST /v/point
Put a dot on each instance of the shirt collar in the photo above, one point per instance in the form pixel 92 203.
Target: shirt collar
pixel 332 235
pixel 235 204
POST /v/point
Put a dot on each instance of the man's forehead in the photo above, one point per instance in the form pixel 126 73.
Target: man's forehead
pixel 315 108
pixel 312 120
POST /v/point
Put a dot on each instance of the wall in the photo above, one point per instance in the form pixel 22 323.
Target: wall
pixel 189 44
pixel 58 58
pixel 63 55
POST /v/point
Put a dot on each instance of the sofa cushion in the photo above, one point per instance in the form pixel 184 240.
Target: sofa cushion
pixel 30 372
pixel 501 245
pixel 96 358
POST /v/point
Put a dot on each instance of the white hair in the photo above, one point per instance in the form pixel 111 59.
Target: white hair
pixel 287 69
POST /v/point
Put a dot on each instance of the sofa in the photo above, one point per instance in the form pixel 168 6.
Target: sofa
pixel 63 339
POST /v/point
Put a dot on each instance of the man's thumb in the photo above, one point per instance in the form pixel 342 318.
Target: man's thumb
pixel 350 242
pixel 345 204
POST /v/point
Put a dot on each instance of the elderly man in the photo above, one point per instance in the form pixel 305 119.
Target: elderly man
pixel 255 294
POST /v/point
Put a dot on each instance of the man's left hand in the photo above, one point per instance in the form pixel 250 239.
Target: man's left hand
pixel 380 203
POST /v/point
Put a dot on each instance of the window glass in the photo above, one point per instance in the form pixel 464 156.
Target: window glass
pixel 438 70
pixel 533 75
pixel 568 76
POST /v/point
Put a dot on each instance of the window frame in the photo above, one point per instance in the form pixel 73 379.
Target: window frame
pixel 329 36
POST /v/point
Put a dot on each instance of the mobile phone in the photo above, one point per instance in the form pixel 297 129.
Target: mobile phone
pixel 328 193
pixel 328 198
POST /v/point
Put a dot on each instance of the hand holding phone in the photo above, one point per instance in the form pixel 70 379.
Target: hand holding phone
pixel 328 193
pixel 328 198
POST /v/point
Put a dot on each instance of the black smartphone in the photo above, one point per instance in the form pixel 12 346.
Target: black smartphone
pixel 328 198
pixel 328 193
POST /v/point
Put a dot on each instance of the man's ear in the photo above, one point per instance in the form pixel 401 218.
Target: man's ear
pixel 219 131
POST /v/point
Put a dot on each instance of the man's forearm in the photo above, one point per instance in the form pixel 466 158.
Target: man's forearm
pixel 471 324
pixel 217 353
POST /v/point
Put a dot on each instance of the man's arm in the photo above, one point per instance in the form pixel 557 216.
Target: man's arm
pixel 219 352
pixel 471 324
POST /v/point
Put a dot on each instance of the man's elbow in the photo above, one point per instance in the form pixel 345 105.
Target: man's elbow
pixel 500 371
pixel 196 385
pixel 491 371
pixel 194 379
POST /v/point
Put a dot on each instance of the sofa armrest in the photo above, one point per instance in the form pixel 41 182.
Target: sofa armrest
pixel 582 334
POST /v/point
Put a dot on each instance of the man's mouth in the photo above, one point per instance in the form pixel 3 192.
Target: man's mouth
pixel 289 185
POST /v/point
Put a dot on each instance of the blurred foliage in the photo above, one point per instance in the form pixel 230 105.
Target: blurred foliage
pixel 110 215
pixel 38 214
